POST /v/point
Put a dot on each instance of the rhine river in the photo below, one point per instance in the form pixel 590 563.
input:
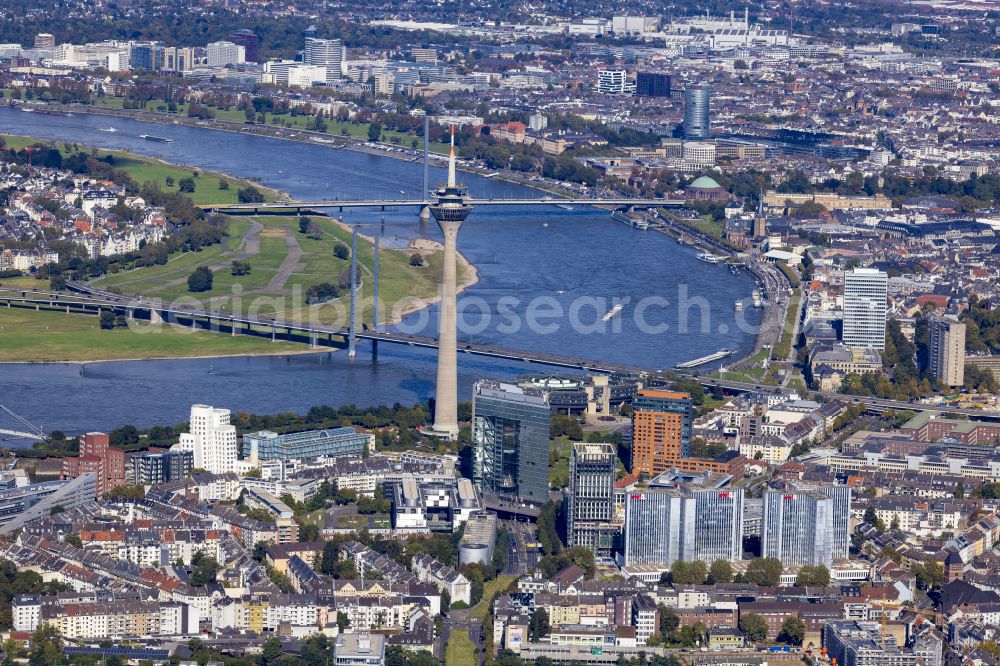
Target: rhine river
pixel 540 260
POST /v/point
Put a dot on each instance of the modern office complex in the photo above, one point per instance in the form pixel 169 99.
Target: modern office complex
pixel 718 522
pixel 659 527
pixel 153 468
pixel 865 305
pixel 212 440
pixel 806 526
pixel 652 84
pixel 661 430
pixel 699 519
pixel 854 643
pixel 221 54
pixel 249 41
pixel 510 439
pixel 697 102
pixel 590 506
pixel 267 445
pixel 614 82
pixel 328 53
pixel 946 350
pixel 20 506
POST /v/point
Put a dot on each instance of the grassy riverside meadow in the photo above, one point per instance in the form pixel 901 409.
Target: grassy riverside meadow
pixel 284 263
pixel 143 169
pixel 26 335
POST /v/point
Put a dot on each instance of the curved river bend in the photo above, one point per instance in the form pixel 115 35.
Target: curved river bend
pixel 541 259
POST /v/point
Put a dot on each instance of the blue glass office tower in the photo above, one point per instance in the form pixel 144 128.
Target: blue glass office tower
pixel 697 100
pixel 309 444
pixel 510 440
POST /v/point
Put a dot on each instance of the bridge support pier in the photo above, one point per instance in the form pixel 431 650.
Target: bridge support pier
pixel 37 308
pixel 313 341
pixel 194 324
pixel 352 338
pixel 155 317
pixel 232 329
pixel 273 333
pixel 67 307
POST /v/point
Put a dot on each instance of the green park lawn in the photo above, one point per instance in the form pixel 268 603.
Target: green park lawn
pixel 142 169
pixel 283 296
pixel 460 651
pixel 27 335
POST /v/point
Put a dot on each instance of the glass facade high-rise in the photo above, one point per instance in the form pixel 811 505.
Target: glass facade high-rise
pixel 798 527
pixel 652 84
pixel 689 522
pixel 590 505
pixel 510 439
pixel 661 430
pixel 328 53
pixel 865 305
pixel 697 102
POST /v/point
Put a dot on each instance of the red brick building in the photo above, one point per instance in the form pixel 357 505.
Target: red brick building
pixel 98 458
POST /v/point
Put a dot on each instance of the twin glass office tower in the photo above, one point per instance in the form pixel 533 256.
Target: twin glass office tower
pixel 685 523
pixel 804 525
pixel 510 439
pixel 807 526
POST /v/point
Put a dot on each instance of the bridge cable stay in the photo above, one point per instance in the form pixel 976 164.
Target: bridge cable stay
pixel 33 430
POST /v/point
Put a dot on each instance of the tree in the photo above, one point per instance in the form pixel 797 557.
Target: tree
pixel 688 573
pixel 186 185
pixel 374 132
pixel 341 251
pixel 203 570
pixel 200 279
pixel 304 224
pixel 241 267
pixel 328 563
pixel 309 532
pixel 753 627
pixel 249 194
pixel 538 625
pixel 669 621
pixel 416 259
pixel 929 574
pixel 46 647
pixel 765 571
pixel 793 631
pixel 817 576
pixel 73 539
pixel 107 320
pixel 721 571
pixel 271 650
pixel 343 621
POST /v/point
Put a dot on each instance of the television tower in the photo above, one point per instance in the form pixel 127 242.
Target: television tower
pixel 450 211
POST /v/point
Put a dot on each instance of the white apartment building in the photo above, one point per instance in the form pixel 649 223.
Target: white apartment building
pixel 221 54
pixel 212 439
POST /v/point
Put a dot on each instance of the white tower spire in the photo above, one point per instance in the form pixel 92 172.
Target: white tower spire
pixel 451 160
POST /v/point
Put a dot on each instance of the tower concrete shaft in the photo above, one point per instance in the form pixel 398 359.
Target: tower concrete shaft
pixel 446 403
pixel 450 211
